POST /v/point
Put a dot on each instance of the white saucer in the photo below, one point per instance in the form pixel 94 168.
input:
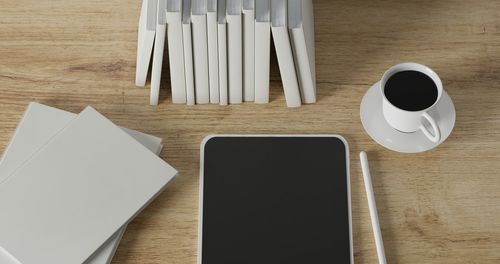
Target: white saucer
pixel 379 130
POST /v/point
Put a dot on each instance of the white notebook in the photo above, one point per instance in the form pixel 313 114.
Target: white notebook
pixel 262 50
pixel 200 51
pixel 77 191
pixel 284 54
pixel 213 57
pixel 301 27
pixel 176 51
pixel 37 126
pixel 145 40
pixel 159 46
pixel 222 51
pixel 188 51
pixel 248 50
pixel 234 51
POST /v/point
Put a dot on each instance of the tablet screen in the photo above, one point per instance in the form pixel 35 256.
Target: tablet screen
pixel 275 200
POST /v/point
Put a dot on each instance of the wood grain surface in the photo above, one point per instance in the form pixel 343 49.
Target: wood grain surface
pixel 441 206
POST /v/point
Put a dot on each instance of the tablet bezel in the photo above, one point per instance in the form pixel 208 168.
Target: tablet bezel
pixel 202 163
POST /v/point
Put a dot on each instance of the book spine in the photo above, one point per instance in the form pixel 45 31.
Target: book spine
pixel 176 57
pixel 145 39
pixel 213 61
pixel 262 52
pixel 304 73
pixel 286 65
pixel 151 14
pixel 188 63
pixel 235 57
pixel 200 56
pixel 248 55
pixel 222 40
pixel 159 45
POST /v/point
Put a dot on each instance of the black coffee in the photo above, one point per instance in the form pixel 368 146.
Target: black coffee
pixel 411 90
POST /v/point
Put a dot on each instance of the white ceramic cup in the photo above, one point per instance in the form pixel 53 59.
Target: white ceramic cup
pixel 411 121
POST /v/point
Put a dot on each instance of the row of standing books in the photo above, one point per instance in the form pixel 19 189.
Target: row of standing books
pixel 219 50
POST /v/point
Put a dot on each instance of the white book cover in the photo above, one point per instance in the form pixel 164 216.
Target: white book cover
pixel 176 51
pixel 37 126
pixel 284 54
pixel 145 40
pixel 213 57
pixel 152 7
pixel 234 51
pixel 188 52
pixel 159 46
pixel 248 50
pixel 162 12
pixel 262 50
pixel 222 51
pixel 75 192
pixel 200 51
pixel 301 27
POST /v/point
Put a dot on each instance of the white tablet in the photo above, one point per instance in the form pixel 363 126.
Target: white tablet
pixel 275 199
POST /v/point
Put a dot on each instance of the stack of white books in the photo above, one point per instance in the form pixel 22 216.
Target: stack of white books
pixel 219 49
pixel 69 184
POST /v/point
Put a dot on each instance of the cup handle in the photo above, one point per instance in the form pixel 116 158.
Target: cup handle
pixel 434 137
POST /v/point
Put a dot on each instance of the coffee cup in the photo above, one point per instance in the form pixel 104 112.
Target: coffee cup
pixel 409 91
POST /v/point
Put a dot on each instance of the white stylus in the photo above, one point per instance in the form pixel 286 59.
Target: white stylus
pixel 379 243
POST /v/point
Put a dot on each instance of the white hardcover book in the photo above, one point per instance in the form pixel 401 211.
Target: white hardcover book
pixel 262 50
pixel 37 126
pixel 188 51
pixel 151 13
pixel 159 46
pixel 145 40
pixel 248 50
pixel 213 57
pixel 284 54
pixel 74 193
pixel 222 51
pixel 234 51
pixel 301 28
pixel 176 51
pixel 200 51
pixel 162 12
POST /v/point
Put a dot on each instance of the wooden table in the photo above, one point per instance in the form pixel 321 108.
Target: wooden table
pixel 441 206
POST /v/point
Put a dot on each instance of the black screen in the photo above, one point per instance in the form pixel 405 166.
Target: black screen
pixel 275 200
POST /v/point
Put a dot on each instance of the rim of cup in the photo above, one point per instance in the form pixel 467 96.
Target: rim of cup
pixel 411 66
